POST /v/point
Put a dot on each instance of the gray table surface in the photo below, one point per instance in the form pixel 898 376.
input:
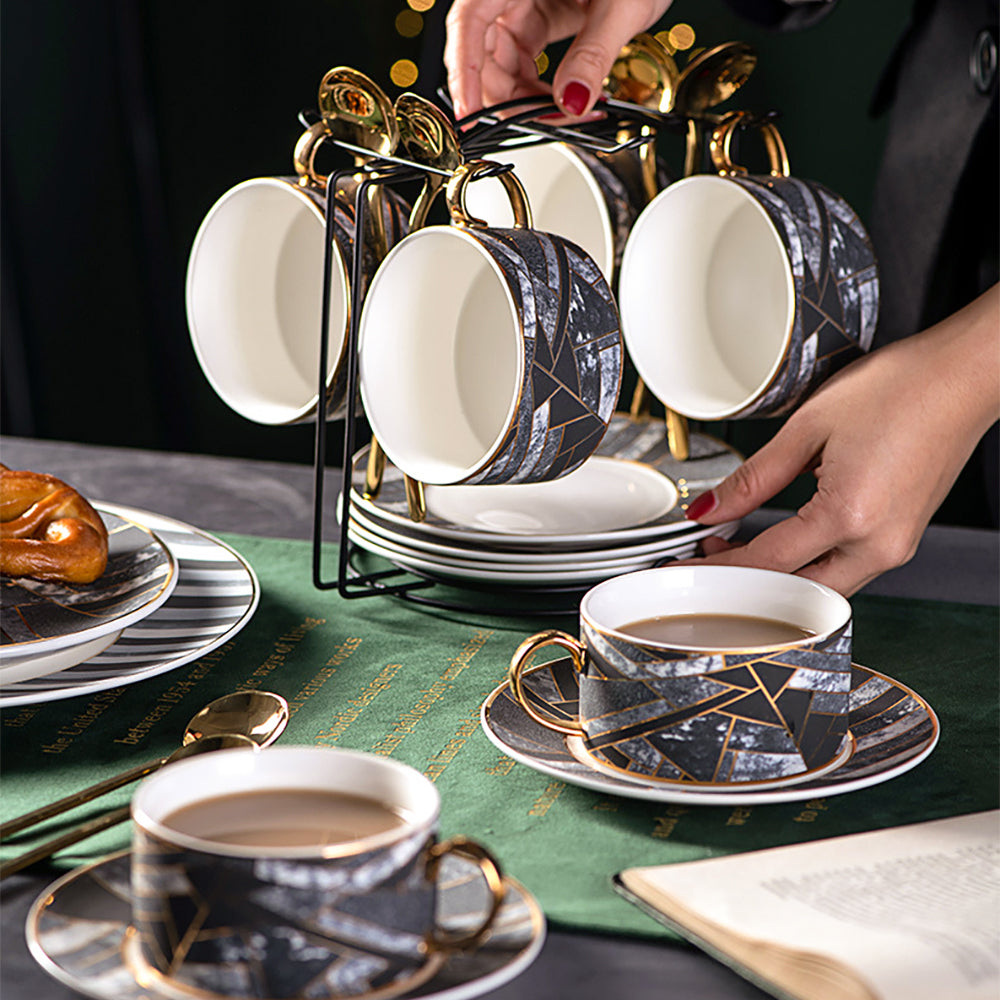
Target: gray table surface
pixel 276 500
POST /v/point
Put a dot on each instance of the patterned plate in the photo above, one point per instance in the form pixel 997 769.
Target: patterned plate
pixel 215 595
pixel 76 927
pixel 40 617
pixel 894 729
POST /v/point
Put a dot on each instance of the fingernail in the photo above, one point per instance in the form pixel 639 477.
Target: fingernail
pixel 575 98
pixel 702 505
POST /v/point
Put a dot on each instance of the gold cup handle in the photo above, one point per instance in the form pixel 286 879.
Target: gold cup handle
pixel 522 658
pixel 458 184
pixel 722 138
pixel 490 868
pixel 304 156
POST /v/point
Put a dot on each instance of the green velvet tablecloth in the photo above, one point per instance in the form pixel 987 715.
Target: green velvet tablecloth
pixel 386 676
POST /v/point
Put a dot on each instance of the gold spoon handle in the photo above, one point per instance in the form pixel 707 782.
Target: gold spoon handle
pixel 50 847
pixel 13 826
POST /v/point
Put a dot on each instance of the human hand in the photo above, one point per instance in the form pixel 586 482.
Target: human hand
pixel 886 438
pixel 492 44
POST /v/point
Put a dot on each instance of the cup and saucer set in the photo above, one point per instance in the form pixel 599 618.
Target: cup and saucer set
pixel 741 692
pixel 489 359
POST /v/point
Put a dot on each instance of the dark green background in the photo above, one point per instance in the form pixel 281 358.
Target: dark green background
pixel 123 121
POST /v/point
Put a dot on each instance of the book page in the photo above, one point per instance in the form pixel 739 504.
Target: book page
pixel 914 910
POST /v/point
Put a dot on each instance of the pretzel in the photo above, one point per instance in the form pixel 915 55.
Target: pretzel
pixel 48 531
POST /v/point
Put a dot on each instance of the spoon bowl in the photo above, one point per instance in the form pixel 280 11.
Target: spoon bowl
pixel 427 137
pixel 257 716
pixel 357 111
pixel 644 73
pixel 713 76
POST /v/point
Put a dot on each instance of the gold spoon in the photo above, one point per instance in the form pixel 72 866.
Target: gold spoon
pixel 710 78
pixel 358 114
pixel 203 744
pixel 646 74
pixel 256 716
pixel 428 138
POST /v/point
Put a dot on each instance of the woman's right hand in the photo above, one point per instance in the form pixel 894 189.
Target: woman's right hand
pixel 492 45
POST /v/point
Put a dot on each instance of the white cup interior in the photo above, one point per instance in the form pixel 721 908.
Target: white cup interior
pixel 565 199
pixel 440 355
pixel 254 300
pixel 234 772
pixel 706 296
pixel 733 590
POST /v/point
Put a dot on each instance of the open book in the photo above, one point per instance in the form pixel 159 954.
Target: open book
pixel 907 913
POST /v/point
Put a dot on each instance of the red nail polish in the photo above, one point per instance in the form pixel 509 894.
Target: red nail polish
pixel 702 505
pixel 575 98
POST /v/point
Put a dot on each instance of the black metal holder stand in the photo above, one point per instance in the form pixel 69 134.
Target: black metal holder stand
pixel 481 135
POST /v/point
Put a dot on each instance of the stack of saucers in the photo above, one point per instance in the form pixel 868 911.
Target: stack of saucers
pixel 622 510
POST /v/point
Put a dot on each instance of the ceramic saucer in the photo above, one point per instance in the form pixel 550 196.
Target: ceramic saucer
pixel 604 494
pixel 75 931
pixel 639 450
pixel 578 749
pixel 50 626
pixel 559 558
pixel 893 728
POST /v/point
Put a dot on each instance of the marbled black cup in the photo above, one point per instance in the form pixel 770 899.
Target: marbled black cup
pixel 488 355
pixel 355 918
pixel 705 714
pixel 254 290
pixel 741 293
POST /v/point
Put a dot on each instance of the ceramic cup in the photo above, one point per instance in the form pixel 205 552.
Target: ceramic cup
pixel 589 198
pixel 697 712
pixel 488 355
pixel 739 294
pixel 219 918
pixel 255 290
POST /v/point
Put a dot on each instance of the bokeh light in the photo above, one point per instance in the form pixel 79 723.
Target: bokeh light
pixel 420 5
pixel 681 37
pixel 404 73
pixel 409 23
pixel 542 62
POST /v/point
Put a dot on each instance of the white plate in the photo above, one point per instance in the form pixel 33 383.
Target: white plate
pixel 560 558
pixel 75 931
pixel 26 667
pixel 529 571
pixel 57 625
pixel 215 595
pixel 539 576
pixel 629 441
pixel 604 494
pixel 894 729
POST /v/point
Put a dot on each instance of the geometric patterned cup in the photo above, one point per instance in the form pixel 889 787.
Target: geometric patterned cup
pixel 488 355
pixel 254 291
pixel 704 714
pixel 348 918
pixel 740 294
